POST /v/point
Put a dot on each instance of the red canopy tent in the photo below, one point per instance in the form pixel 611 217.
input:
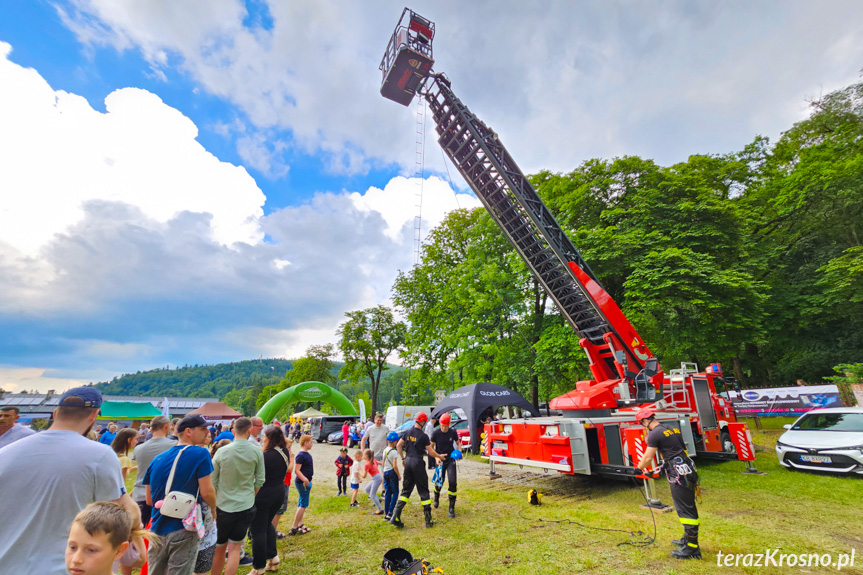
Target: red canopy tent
pixel 216 411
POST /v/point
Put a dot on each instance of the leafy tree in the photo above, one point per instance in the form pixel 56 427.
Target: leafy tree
pixel 849 374
pixel 367 340
pixel 806 215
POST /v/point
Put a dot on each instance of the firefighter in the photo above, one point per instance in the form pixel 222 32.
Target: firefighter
pixel 445 441
pixel 681 474
pixel 411 447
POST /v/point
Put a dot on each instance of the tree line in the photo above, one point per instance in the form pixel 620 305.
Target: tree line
pixel 751 259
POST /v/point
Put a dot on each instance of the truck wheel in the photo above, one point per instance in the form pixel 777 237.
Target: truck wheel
pixel 727 444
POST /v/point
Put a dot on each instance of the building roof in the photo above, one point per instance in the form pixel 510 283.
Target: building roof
pixel 43 402
pixel 128 410
pixel 216 410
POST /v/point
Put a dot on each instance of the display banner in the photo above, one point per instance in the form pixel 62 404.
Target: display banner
pixel 784 401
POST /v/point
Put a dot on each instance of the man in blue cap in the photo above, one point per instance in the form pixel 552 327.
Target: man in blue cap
pixel 48 478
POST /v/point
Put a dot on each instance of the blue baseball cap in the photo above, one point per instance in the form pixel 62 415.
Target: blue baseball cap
pixel 81 397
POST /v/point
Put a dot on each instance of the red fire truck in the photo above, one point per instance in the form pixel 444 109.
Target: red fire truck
pixel 597 433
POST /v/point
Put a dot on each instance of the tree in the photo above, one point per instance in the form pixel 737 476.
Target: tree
pixel 367 340
pixel 316 365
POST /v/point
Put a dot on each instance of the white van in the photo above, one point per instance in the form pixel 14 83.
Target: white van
pixel 398 414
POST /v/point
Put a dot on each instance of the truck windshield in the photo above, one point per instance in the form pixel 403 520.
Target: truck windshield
pixel 830 422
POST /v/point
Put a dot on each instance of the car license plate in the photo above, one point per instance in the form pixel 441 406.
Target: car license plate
pixel 816 458
pixel 500 445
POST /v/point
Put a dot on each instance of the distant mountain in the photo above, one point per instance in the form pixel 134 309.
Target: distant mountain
pixel 198 380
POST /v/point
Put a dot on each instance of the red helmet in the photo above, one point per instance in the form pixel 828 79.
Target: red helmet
pixel 421 417
pixel 445 419
pixel 645 413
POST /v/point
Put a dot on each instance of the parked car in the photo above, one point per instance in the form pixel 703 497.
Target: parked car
pixel 336 438
pixel 463 430
pixel 404 427
pixel 829 439
pixel 323 427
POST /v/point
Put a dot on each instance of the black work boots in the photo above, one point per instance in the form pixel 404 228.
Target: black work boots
pixel 689 549
pixel 397 513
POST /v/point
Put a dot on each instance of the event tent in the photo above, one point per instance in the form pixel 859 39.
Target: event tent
pixel 474 399
pixel 128 410
pixel 310 412
pixel 216 411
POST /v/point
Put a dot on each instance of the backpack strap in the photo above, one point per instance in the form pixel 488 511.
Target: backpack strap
pixel 170 483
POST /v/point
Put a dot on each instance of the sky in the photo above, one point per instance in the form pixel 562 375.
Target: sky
pixel 216 180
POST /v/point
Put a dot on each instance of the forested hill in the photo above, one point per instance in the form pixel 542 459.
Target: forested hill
pixel 199 380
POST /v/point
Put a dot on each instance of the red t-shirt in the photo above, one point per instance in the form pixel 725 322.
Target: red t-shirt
pixel 372 468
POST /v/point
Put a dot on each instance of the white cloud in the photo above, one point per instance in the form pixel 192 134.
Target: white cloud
pixel 57 153
pixel 124 283
pixel 21 379
pixel 403 199
pixel 560 82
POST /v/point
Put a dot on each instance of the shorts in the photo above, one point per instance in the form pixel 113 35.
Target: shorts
pixel 281 510
pixel 303 493
pixel 233 526
pixel 355 485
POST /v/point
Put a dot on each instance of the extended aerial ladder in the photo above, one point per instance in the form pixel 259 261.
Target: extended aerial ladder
pixel 625 372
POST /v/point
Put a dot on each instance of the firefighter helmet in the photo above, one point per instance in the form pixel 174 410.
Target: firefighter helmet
pixel 421 417
pixel 445 419
pixel 392 436
pixel 645 413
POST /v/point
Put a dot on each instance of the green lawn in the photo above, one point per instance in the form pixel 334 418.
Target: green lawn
pixel 497 532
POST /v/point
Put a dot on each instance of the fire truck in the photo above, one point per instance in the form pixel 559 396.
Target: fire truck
pixel 596 432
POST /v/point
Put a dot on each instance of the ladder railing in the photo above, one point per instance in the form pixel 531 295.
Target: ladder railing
pixel 512 202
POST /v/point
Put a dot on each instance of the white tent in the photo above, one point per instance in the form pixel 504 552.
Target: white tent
pixel 310 412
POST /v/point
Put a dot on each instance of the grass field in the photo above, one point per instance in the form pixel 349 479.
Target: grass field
pixel 497 532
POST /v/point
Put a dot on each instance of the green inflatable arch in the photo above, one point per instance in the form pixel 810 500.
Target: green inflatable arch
pixel 307 391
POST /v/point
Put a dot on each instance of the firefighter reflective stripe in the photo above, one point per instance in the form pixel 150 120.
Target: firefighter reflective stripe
pixel 453 493
pixel 693 545
pixel 426 502
pixel 688 521
pixel 403 498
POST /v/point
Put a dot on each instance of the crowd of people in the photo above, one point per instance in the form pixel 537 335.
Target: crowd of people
pixel 200 493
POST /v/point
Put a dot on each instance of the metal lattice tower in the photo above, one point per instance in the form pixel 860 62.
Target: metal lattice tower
pixel 419 173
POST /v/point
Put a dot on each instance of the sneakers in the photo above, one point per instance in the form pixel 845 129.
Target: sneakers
pixel 354 504
pixel 246 560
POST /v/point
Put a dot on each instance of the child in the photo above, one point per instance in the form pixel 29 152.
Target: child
pixel 355 477
pixel 391 474
pixel 99 536
pixel 343 469
pixel 303 469
pixel 371 469
pixel 124 442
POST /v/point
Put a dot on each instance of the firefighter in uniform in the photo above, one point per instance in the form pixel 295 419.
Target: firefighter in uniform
pixel 411 447
pixel 682 478
pixel 445 441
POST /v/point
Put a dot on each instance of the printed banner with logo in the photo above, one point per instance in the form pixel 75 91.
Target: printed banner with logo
pixel 784 401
